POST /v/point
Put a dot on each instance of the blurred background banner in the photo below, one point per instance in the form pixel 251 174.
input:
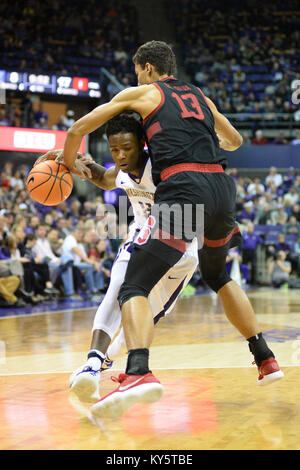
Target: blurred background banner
pixel 34 140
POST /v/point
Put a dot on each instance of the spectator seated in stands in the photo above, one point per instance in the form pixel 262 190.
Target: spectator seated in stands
pixel 296 212
pixel 263 215
pixel 34 221
pixel 255 188
pixel 42 283
pixel 247 214
pixel 280 270
pixel 60 124
pixel 69 118
pixel 259 138
pixel 278 245
pixel 281 244
pixel 58 266
pixel 281 139
pixel 62 229
pixel 100 253
pixel 18 265
pixel 274 177
pixel 296 140
pixel 40 114
pixel 8 287
pixel 55 241
pixel 91 270
pixel 291 197
pixel 289 179
pixel 41 124
pixel 250 242
pixel 293 226
pixel 278 216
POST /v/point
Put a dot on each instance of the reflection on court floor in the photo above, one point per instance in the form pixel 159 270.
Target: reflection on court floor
pixel 211 399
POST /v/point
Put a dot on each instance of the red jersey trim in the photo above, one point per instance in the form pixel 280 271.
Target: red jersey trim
pixel 198 167
pixel 167 78
pixel 170 240
pixel 153 129
pixel 221 241
pixel 162 102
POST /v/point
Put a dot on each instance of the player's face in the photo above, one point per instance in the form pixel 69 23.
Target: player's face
pixel 146 75
pixel 125 149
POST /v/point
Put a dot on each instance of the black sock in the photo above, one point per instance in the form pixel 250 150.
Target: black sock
pixel 137 362
pixel 259 348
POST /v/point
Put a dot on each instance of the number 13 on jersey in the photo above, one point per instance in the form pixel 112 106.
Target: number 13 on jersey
pixel 189 101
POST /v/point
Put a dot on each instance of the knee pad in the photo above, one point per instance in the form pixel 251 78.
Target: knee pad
pixel 217 283
pixel 127 291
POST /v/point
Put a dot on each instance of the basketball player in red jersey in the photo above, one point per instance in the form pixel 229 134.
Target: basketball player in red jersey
pixel 185 133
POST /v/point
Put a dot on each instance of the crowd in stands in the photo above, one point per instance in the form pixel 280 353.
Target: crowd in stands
pixel 243 55
pixel 268 213
pixel 62 252
pixel 73 39
pixel 70 39
pixel 20 113
pixel 48 252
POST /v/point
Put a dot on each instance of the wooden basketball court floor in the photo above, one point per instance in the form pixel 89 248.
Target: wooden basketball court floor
pixel 211 399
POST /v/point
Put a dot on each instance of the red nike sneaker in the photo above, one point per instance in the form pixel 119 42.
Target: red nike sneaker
pixel 269 371
pixel 132 389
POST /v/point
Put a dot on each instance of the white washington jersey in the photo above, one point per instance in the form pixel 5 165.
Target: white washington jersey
pixel 140 191
pixel 163 296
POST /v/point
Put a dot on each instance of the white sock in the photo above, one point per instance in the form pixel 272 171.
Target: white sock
pixel 96 359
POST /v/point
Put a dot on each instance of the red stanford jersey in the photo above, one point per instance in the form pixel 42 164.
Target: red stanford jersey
pixel 181 128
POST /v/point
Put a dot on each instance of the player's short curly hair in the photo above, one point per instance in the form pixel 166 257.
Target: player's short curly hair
pixel 124 123
pixel 157 53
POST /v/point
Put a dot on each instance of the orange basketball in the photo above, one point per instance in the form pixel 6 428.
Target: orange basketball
pixel 50 183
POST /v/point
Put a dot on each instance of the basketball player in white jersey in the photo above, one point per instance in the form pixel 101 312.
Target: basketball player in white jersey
pixel 132 173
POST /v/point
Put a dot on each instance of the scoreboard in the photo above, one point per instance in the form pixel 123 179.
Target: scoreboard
pixel 51 84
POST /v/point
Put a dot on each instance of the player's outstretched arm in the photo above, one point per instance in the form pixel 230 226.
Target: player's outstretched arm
pixel 229 137
pixel 131 99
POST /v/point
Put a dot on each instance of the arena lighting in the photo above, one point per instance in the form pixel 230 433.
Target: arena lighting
pixel 21 139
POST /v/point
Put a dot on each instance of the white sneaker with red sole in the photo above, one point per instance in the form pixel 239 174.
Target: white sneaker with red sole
pixel 269 371
pixel 132 389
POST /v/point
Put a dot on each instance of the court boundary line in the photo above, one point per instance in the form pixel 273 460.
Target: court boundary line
pixel 75 309
pixel 157 368
pixel 34 314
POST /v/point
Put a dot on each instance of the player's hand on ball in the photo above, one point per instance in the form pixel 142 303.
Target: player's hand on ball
pixel 51 155
pixel 81 169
